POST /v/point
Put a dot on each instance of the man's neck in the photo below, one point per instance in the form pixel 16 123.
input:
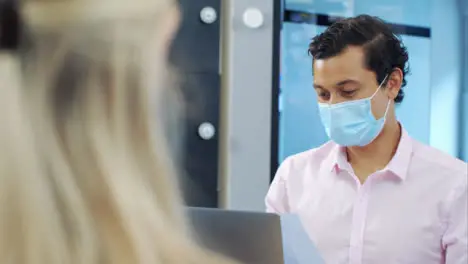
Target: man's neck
pixel 377 154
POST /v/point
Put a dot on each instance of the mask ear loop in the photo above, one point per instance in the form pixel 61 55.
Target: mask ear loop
pixel 388 107
pixel 380 86
pixel 388 104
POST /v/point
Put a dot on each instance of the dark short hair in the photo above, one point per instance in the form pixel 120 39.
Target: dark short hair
pixel 384 51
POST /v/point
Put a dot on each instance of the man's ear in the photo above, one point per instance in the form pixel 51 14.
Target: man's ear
pixel 395 79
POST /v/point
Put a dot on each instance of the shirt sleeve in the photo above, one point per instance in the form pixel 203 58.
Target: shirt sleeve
pixel 277 197
pixel 455 239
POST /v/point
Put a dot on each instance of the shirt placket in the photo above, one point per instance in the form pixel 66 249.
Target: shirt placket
pixel 359 223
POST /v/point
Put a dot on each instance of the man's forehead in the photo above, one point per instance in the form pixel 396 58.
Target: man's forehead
pixel 348 59
pixel 344 66
pixel 337 75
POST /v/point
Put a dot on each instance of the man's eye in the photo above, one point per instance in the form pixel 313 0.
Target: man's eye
pixel 324 96
pixel 348 93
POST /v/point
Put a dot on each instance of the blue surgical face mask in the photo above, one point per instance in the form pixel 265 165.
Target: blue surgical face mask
pixel 352 123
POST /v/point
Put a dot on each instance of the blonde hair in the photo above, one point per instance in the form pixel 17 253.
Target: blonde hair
pixel 85 174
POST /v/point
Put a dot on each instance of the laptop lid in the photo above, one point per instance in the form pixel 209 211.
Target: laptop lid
pixel 249 237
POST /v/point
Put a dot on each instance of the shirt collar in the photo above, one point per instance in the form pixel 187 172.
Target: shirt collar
pixel 400 162
pixel 339 160
pixel 398 165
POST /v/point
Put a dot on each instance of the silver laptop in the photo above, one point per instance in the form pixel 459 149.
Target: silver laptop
pixel 251 238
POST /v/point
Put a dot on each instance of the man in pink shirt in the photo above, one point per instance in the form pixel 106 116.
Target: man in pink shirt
pixel 372 195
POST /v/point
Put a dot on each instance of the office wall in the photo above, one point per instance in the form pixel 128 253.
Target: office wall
pixel 446 78
pixel 430 109
pixel 463 6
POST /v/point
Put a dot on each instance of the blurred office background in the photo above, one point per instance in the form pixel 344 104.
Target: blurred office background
pixel 247 81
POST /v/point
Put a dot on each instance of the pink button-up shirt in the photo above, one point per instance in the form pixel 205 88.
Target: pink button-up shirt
pixel 412 212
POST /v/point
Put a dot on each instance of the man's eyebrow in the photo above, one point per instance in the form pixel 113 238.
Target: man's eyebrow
pixel 347 81
pixel 318 86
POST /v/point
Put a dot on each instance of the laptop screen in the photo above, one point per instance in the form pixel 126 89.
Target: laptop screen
pixel 249 237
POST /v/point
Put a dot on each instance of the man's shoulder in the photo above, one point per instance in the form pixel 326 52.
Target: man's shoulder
pixel 294 176
pixel 312 157
pixel 439 168
pixel 433 157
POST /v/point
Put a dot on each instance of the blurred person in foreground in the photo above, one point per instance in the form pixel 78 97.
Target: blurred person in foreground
pixel 85 173
pixel 372 194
